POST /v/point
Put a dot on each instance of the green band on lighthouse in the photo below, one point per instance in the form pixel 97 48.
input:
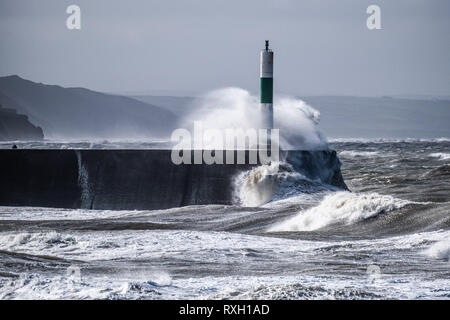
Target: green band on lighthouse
pixel 266 90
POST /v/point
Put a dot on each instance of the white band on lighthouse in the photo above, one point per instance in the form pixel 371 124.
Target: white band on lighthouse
pixel 266 64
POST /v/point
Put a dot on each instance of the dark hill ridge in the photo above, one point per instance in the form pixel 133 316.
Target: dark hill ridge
pixel 78 113
pixel 15 126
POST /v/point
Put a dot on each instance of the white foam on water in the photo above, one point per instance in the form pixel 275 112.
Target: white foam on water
pixel 36 286
pixel 299 286
pixel 341 207
pixel 352 153
pixel 35 242
pixel 440 155
pixel 52 214
pixel 257 186
pixel 439 250
pixel 387 140
pixel 223 249
pixel 206 247
pixel 274 182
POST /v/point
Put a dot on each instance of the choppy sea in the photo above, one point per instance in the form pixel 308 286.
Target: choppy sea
pixel 388 237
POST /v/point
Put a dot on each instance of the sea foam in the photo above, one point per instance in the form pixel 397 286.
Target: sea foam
pixel 236 108
pixel 341 207
pixel 440 155
pixel 352 153
pixel 439 250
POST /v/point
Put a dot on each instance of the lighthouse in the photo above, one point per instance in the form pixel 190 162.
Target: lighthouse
pixel 266 86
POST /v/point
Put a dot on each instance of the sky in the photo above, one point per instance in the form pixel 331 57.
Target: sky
pixel 186 47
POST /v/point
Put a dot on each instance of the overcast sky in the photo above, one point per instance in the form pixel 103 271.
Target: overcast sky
pixel 186 47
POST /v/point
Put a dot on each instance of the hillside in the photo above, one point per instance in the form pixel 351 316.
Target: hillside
pixel 78 113
pixel 15 126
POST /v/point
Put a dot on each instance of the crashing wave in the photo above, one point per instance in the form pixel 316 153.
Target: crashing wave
pixel 439 250
pixel 440 155
pixel 352 153
pixel 341 207
pixel 273 182
pixel 27 240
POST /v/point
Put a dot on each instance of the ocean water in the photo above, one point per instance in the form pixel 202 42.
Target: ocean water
pixel 387 238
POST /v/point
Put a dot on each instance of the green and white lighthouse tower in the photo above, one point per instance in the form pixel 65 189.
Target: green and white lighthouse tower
pixel 266 86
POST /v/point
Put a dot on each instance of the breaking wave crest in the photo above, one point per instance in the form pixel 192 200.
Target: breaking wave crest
pixel 256 187
pixel 341 207
pixel 440 155
pixel 273 182
pixel 439 250
pixel 352 154
pixel 32 240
